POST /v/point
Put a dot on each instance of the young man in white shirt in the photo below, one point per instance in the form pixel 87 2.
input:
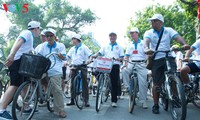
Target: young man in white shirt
pixel 113 50
pixel 79 54
pixel 23 44
pixel 135 53
pixel 55 73
pixel 151 38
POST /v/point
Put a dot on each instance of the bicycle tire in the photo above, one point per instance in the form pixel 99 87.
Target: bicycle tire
pixel 107 86
pixel 50 102
pixel 29 87
pixel 180 103
pixel 78 92
pixel 196 100
pixel 99 92
pixel 1 89
pixel 163 100
pixel 132 95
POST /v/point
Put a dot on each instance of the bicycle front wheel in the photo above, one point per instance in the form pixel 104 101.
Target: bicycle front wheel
pixel 99 92
pixel 107 88
pixel 178 106
pixel 26 98
pixel 132 94
pixel 78 92
pixel 196 100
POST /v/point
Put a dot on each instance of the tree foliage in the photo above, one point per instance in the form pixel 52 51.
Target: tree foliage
pixel 174 17
pixel 57 14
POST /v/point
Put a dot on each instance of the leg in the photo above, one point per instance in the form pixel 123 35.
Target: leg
pixel 85 87
pixel 73 74
pixel 184 74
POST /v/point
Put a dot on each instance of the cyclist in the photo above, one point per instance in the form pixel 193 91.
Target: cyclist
pixel 78 54
pixel 113 50
pixel 55 73
pixel 23 44
pixel 191 67
pixel 151 38
pixel 135 52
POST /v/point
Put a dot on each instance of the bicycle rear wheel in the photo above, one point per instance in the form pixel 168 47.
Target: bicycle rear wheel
pixel 50 103
pixel 26 98
pixel 196 100
pixel 178 106
pixel 132 94
pixel 78 92
pixel 106 89
pixel 99 92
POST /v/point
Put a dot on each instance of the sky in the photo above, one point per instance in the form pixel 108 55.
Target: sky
pixel 114 16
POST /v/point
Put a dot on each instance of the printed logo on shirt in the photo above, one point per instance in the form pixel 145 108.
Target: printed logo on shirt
pixel 135 51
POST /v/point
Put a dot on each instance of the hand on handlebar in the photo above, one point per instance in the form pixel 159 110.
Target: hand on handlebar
pixel 186 47
pixel 186 60
pixel 149 52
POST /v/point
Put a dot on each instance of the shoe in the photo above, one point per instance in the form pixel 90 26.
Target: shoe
pixel 5 116
pixel 71 103
pixel 29 111
pixel 42 105
pixel 155 109
pixel 114 104
pixel 144 105
pixel 87 104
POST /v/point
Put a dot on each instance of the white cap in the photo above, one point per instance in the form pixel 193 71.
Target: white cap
pixel 51 31
pixel 134 29
pixel 43 32
pixel 77 36
pixel 33 24
pixel 158 17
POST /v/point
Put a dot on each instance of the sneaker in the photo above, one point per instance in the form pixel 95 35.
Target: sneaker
pixel 114 104
pixel 155 109
pixel 144 105
pixel 5 116
pixel 87 104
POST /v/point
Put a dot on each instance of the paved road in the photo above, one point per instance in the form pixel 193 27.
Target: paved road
pixel 109 113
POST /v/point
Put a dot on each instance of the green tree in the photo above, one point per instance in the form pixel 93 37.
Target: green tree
pixel 57 14
pixel 174 17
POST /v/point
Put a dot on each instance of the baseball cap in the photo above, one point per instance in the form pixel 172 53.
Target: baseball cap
pixel 43 32
pixel 157 16
pixel 134 29
pixel 33 24
pixel 77 36
pixel 112 33
pixel 51 31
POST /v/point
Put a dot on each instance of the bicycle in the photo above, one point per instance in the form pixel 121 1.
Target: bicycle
pixel 193 94
pixel 31 91
pixel 172 91
pixel 92 82
pixel 104 82
pixel 78 85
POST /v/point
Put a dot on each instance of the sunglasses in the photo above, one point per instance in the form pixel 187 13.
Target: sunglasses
pixel 49 36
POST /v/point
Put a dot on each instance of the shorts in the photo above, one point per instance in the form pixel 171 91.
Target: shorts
pixel 193 68
pixel 159 67
pixel 16 78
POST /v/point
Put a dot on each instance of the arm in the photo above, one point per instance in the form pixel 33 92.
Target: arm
pixel 188 53
pixel 13 51
pixel 147 49
pixel 181 40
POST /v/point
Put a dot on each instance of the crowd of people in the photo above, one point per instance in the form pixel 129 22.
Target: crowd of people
pixel 157 38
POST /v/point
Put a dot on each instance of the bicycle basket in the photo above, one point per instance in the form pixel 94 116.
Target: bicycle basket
pixel 33 65
pixel 103 65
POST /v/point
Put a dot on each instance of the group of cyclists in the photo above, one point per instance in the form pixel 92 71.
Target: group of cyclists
pixel 157 38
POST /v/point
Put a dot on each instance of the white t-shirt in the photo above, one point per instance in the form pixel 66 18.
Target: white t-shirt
pixel 179 56
pixel 79 53
pixel 196 46
pixel 136 51
pixel 58 48
pixel 112 51
pixel 168 35
pixel 27 46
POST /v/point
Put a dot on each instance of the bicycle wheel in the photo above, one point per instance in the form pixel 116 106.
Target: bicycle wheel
pixel 50 103
pixel 132 94
pixel 99 92
pixel 78 92
pixel 163 98
pixel 196 100
pixel 66 88
pixel 106 90
pixel 178 107
pixel 26 97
